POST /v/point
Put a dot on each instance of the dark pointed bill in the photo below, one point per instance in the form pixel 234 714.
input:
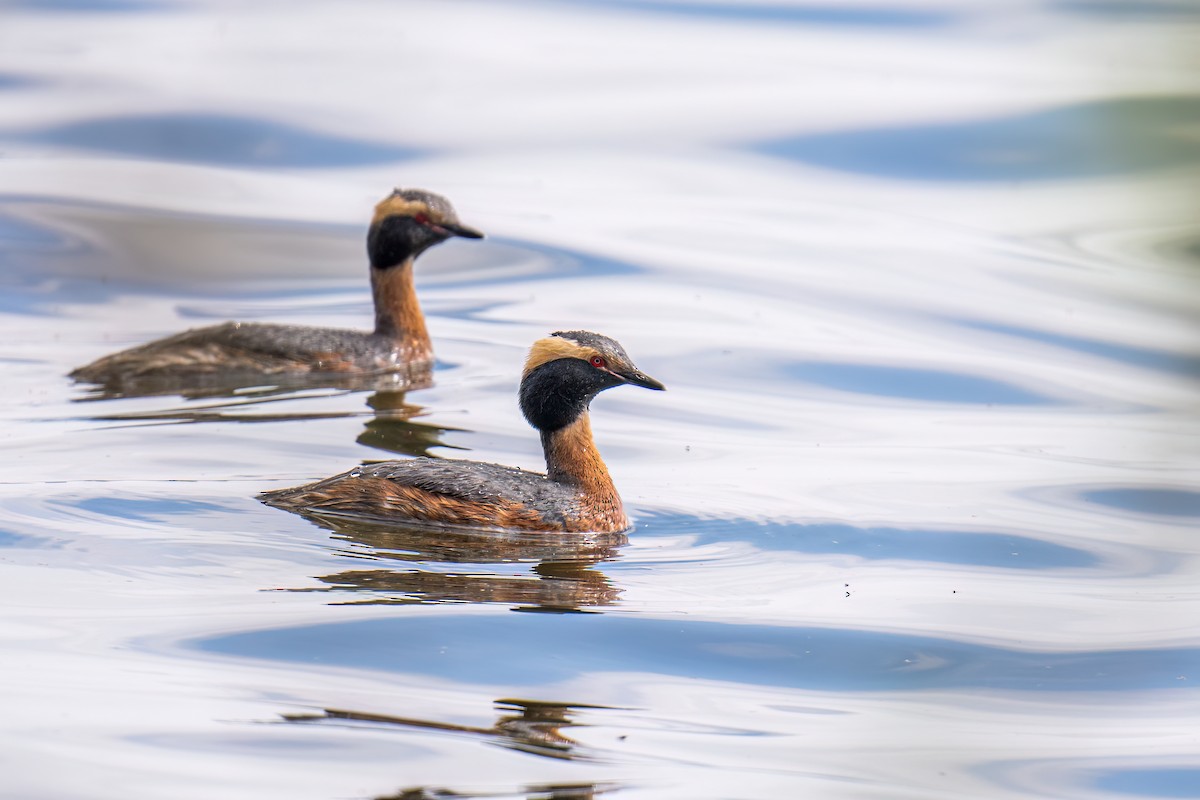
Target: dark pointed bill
pixel 458 229
pixel 638 378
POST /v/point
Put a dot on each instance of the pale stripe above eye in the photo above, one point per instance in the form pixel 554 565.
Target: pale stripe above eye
pixel 553 348
pixel 398 206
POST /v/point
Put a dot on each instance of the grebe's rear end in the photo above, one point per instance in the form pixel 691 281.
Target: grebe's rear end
pixel 562 374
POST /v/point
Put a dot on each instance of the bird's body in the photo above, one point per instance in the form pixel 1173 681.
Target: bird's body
pixel 563 373
pixel 406 223
pixel 470 494
pixel 257 347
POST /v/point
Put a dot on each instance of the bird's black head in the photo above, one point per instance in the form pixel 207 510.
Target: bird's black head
pixel 408 222
pixel 566 370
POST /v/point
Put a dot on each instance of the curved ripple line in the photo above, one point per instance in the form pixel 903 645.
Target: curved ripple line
pixel 974 548
pixel 908 383
pixel 1105 137
pixel 500 649
pixel 221 139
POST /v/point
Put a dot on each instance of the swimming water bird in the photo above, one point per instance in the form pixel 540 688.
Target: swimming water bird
pixel 563 372
pixel 406 223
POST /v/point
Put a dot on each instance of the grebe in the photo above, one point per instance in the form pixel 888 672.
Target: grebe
pixel 562 374
pixel 406 223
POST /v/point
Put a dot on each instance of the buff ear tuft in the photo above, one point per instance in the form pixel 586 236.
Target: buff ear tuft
pixel 553 348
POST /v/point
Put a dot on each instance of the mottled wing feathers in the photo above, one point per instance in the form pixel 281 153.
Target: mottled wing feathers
pixel 430 490
pixel 233 346
pixel 466 480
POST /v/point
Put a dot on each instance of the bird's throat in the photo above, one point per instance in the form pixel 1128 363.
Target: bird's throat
pixel 572 458
pixel 397 311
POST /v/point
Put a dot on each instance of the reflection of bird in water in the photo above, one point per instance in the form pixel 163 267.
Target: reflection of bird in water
pixel 562 375
pixel 406 223
pixel 572 587
pixel 548 791
pixel 531 726
pixel 393 425
pixel 562 579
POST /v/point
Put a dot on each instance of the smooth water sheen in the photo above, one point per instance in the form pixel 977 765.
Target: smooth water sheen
pixel 916 518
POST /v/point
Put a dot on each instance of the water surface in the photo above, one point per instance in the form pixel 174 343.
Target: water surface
pixel 916 517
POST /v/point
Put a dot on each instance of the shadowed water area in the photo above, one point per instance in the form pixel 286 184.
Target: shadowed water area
pixel 916 516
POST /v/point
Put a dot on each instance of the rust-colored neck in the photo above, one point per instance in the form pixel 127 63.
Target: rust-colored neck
pixel 573 458
pixel 397 311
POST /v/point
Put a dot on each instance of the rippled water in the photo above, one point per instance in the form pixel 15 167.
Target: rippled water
pixel 916 518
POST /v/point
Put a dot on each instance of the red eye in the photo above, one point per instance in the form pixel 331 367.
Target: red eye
pixel 598 362
pixel 421 219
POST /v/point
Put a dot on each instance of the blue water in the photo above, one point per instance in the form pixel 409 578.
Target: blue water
pixel 1164 782
pixel 505 650
pixel 1123 136
pixel 217 139
pixel 916 384
pixel 916 516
